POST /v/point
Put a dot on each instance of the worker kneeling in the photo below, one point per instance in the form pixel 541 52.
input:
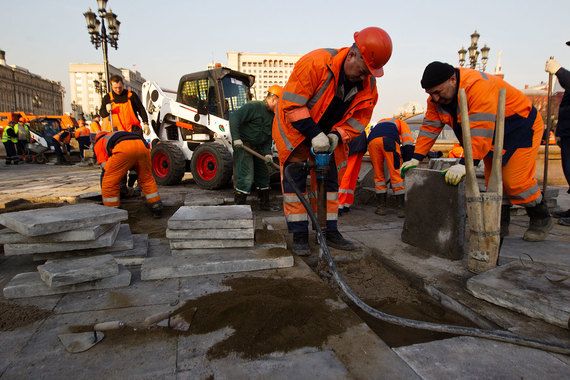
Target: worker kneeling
pixel 117 153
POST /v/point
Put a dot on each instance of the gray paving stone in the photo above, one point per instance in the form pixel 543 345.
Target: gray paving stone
pixel 203 200
pixel 218 243
pixel 30 284
pixel 202 264
pixel 269 239
pixel 56 273
pixel 435 214
pixel 475 358
pixel 531 288
pixel 7 236
pixel 202 217
pixel 58 219
pixel 226 233
pixel 105 240
pixel 550 252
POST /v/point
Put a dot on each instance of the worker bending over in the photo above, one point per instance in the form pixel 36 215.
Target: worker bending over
pixel 250 125
pixel 83 137
pixel 62 146
pixel 389 142
pixel 523 131
pixel 117 153
pixel 326 103
pixel 347 187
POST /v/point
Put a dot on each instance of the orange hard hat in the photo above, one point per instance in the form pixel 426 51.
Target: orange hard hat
pixel 100 135
pixel 375 46
pixel 275 90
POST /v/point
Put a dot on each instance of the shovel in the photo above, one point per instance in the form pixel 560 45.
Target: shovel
pixel 80 342
pixel 483 209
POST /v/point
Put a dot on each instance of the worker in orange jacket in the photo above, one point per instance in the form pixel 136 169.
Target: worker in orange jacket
pixel 62 146
pixel 347 187
pixel 523 131
pixel 117 153
pixel 384 141
pixel 95 125
pixel 326 103
pixel 83 137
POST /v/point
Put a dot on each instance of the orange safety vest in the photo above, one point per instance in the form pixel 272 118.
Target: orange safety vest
pixel 66 140
pixel 123 115
pixel 482 91
pixel 82 132
pixel 397 129
pixel 308 93
pixel 456 152
pixel 95 127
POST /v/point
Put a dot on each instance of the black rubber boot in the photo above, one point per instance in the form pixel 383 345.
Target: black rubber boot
pixel 336 240
pixel 401 198
pixel 240 198
pixel 156 209
pixel 540 222
pixel 264 200
pixel 381 204
pixel 301 244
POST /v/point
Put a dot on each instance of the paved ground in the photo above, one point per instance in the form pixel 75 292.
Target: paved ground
pixel 353 351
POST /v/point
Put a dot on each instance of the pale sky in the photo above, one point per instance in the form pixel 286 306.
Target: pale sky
pixel 166 39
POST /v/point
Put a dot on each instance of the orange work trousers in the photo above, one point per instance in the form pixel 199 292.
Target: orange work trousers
pixel 520 186
pixel 127 155
pixel 379 156
pixel 348 182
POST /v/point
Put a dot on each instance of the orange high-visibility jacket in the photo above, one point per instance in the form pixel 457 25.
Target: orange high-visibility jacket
pixel 122 113
pixel 95 127
pixel 63 136
pixel 397 129
pixel 482 91
pixel 308 93
pixel 103 148
pixel 82 131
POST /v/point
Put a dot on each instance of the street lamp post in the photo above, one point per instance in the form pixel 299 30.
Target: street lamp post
pixel 101 38
pixel 474 53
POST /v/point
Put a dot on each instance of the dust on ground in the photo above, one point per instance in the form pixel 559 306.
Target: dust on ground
pixel 389 293
pixel 13 315
pixel 141 220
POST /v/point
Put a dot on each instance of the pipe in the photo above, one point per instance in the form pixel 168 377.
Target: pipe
pixel 499 335
pixel 548 128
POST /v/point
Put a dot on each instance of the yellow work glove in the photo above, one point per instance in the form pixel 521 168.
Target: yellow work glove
pixel 455 174
pixel 320 143
pixel 552 66
pixel 413 163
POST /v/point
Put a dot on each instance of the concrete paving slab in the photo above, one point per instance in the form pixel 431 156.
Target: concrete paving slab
pixel 58 219
pixel 218 243
pixel 8 236
pixel 475 358
pixel 196 234
pixel 202 217
pixel 13 342
pixel 202 264
pixel 550 252
pixel 203 200
pixel 148 356
pixel 31 285
pixel 105 240
pixel 56 273
pixel 531 288
pixel 435 214
pixel 269 239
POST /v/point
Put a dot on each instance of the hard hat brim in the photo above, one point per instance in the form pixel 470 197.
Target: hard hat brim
pixel 376 72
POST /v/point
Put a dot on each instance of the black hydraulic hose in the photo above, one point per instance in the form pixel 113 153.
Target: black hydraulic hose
pixel 499 335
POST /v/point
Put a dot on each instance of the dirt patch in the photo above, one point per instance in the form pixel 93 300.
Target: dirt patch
pixel 23 205
pixel 141 220
pixel 389 293
pixel 13 315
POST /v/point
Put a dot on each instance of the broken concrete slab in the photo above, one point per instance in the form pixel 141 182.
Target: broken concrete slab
pixel 203 217
pixel 435 214
pixel 530 288
pixel 30 284
pixel 203 200
pixel 7 236
pixel 550 252
pixel 218 243
pixel 56 273
pixel 274 222
pixel 476 358
pixel 105 240
pixel 158 268
pixel 226 233
pixel 58 219
pixel 123 242
pixel 269 239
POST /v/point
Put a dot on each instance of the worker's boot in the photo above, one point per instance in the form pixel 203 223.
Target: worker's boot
pixel 301 244
pixel 381 204
pixel 240 198
pixel 561 214
pixel 540 222
pixel 156 209
pixel 264 200
pixel 336 240
pixel 401 199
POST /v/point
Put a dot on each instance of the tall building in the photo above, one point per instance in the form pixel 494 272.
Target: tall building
pixel 86 95
pixel 268 68
pixel 21 90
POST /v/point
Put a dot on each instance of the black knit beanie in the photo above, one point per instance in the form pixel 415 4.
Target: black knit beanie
pixel 436 73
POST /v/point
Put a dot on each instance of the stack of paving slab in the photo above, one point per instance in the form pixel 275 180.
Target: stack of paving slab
pixel 76 240
pixel 216 239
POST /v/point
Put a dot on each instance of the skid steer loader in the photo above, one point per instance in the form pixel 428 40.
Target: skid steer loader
pixel 192 132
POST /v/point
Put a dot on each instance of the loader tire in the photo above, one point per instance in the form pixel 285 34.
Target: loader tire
pixel 212 166
pixel 168 163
